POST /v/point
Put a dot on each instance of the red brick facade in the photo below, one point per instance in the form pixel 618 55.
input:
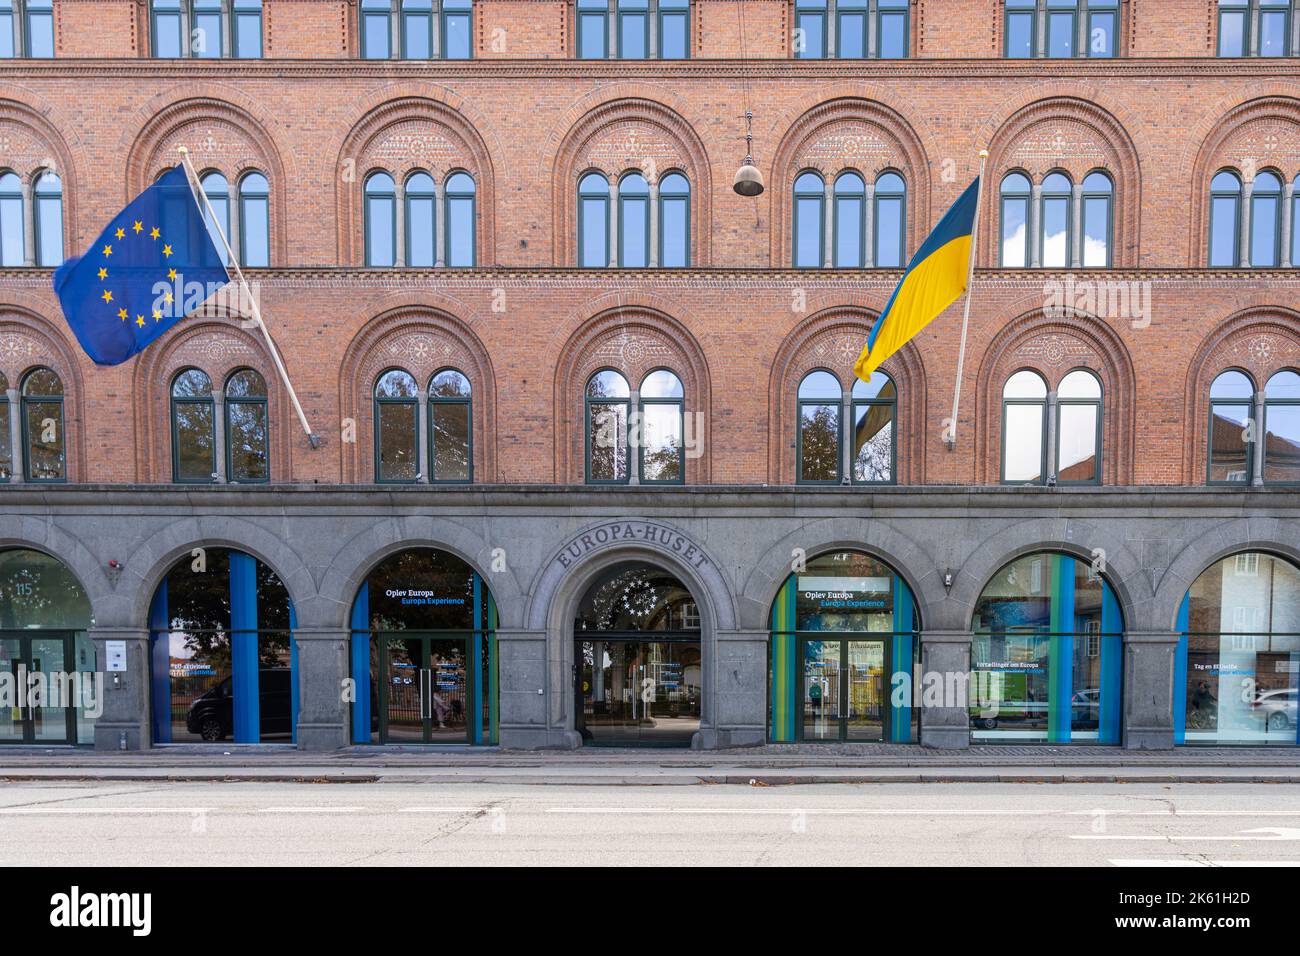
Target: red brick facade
pixel 740 327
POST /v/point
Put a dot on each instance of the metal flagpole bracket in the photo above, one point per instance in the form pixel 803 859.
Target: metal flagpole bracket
pixel 950 433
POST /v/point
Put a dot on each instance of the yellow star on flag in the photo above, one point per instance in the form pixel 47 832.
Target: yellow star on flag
pixel 138 227
pixel 139 320
pixel 168 298
pixel 107 296
pixel 121 233
pixel 156 315
pixel 103 273
pixel 153 233
pixel 167 251
pixel 171 274
pixel 122 314
pixel 108 250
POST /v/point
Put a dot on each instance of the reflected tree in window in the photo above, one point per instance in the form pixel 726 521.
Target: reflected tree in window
pixel 247 442
pixel 820 403
pixel 193 428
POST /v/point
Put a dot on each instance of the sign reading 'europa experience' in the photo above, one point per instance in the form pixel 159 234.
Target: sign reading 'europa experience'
pixel 632 532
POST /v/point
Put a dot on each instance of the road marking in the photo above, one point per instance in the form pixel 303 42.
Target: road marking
pixel 310 809
pixel 1208 863
pixel 42 811
pixel 1267 834
pixel 910 812
pixel 444 810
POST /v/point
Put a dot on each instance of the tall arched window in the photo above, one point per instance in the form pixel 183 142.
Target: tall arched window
pixel 809 202
pixel 1266 221
pixel 875 427
pixel 217 189
pixel 820 402
pixel 42 420
pixel 1024 428
pixel 1054 222
pixel 397 441
pixel 459 216
pixel 608 403
pixel 1231 455
pixel 1225 220
pixel 1282 428
pixel 663 454
pixel 1078 429
pixel 6 437
pixel 194 446
pixel 254 221
pixel 451 448
pixel 11 220
pixel 421 236
pixel 1015 221
pixel 593 221
pixel 1098 216
pixel 633 222
pixel 674 221
pixel 850 221
pixel 890 220
pixel 1295 223
pixel 48 197
pixel 381 220
pixel 247 437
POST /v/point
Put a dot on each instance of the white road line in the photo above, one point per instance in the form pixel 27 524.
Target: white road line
pixel 310 809
pixel 444 810
pixel 909 812
pixel 1207 863
pixel 43 811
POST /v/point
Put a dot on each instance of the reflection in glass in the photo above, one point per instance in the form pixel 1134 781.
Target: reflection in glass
pixel 1231 412
pixel 246 427
pixel 1015 221
pixel 396 437
pixel 1282 428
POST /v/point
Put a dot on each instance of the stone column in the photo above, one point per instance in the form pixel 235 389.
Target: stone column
pixel 219 436
pixel 1288 206
pixel 1254 29
pixel 634 438
pixel 1076 228
pixel 652 211
pixel 1040 29
pixel 29 223
pixel 830 29
pixel 1053 402
pixel 1035 214
pixel 1149 658
pixel 873 41
pixel 422 436
pixel 652 40
pixel 1260 446
pixel 612 36
pixel 613 221
pixel 15 435
pixel 828 226
pixel 1243 252
pixel 399 224
pixel 522 692
pixel 846 432
pixel 739 706
pixel 945 654
pixel 439 227
pixel 125 714
pixel 324 716
pixel 435 41
pixel 869 230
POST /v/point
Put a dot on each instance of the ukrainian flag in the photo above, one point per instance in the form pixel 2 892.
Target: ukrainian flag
pixel 935 278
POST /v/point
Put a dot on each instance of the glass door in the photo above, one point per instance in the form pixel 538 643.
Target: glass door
pixel 12 719
pixel 845 691
pixel 426 690
pixel 403 707
pixel 448 691
pixel 46 717
pixel 867 693
pixel 822 671
pixel 638 693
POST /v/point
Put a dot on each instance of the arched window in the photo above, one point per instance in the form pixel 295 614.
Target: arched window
pixel 633 222
pixel 820 402
pixel 42 420
pixel 1047 648
pixel 1024 428
pixel 1078 429
pixel 247 438
pixel 1225 220
pixel 459 216
pixel 194 446
pixel 451 445
pixel 890 220
pixel 809 200
pixel 663 454
pixel 421 235
pixel 850 221
pixel 397 442
pixel 1015 221
pixel 48 197
pixel 1098 216
pixel 1266 221
pixel 593 221
pixel 217 189
pixel 6 437
pixel 381 220
pixel 875 426
pixel 1231 457
pixel 1295 223
pixel 674 221
pixel 1282 428
pixel 1239 641
pixel 1054 222
pixel 11 220
pixel 254 221
pixel 607 408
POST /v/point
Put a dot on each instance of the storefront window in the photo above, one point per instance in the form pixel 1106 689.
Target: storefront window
pixel 842 652
pixel 1239 656
pixel 1045 654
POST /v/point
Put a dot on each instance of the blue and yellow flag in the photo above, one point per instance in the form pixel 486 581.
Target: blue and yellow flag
pixel 934 280
pixel 153 265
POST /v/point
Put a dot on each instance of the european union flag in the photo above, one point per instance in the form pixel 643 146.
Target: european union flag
pixel 155 263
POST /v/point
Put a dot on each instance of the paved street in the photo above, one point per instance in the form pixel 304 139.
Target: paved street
pixel 987 824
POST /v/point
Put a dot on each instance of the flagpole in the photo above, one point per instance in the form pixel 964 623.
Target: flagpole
pixel 951 438
pixel 197 189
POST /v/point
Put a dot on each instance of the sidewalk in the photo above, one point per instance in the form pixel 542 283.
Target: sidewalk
pixel 772 765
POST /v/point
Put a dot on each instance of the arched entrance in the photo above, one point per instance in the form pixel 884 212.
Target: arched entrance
pixel 222 657
pixel 1047 650
pixel 638 675
pixel 843 637
pixel 424 657
pixel 47 661
pixel 1238 665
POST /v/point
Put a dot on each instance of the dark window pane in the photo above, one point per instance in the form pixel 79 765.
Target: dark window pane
pixel 607 441
pixel 195 458
pixel 6 441
pixel 398 451
pixel 450 451
pixel 1228 447
pixel 819 442
pixel 248 441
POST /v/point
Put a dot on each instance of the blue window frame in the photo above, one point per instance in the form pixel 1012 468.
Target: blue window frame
pixel 674 29
pixel 1015 197
pixel 593 221
pixel 459 216
pixel 810 29
pixel 593 29
pixel 421 220
pixel 376 29
pixel 48 196
pixel 11 220
pixel 889 220
pixel 380 220
pixel 1266 221
pixel 808 224
pixel 1225 220
pixel 633 29
pixel 674 221
pixel 254 221
pixel 633 222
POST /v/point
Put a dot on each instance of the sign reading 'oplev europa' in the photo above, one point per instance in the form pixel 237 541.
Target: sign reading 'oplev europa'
pixel 632 532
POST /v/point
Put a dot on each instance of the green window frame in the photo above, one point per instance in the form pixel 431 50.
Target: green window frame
pixel 592 29
pixel 1023 14
pixel 446 398
pixel 379 189
pixel 459 189
pixel 674 192
pixel 254 192
pixel 47 404
pixel 9 40
pixel 13 227
pixel 880 392
pixel 891 188
pixel 674 15
pixel 810 15
pixel 191 395
pixel 888 11
pixel 6 438
pixel 1235 388
pixel 596 399
pixel 1011 400
pixel 1103 21
pixel 376 40
pixel 167 20
pixel 633 193
pixel 1064 401
pixel 416 20
pixel 1267 188
pixel 1281 395
pixel 246 409
pixel 245 26
pixel 851 17
pixel 593 195
pixel 1015 192
pixel 47 219
pixel 850 194
pixel 420 196
pixel 1098 192
pixel 804 192
pixel 1061 193
pixel 456 17
pixel 626 12
pixel 38 29
pixel 1225 187
pixel 662 380
pixel 808 397
pixel 402 393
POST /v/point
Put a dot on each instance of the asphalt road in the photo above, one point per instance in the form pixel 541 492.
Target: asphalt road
pixel 267 824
